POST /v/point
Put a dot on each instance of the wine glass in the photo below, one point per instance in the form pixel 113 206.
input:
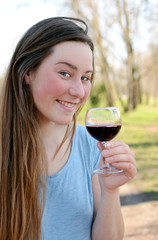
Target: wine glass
pixel 103 124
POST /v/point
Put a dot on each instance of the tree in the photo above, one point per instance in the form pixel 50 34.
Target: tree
pixel 124 11
pixel 111 22
pixel 96 32
pixel 149 73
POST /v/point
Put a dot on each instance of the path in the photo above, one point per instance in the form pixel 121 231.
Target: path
pixel 140 212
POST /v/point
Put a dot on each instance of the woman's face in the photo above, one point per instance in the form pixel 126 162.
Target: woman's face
pixel 62 82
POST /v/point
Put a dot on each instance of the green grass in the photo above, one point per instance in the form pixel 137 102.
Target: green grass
pixel 140 131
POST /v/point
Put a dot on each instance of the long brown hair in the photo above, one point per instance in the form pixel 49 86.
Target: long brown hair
pixel 22 187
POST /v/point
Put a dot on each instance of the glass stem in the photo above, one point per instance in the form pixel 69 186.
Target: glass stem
pixel 104 159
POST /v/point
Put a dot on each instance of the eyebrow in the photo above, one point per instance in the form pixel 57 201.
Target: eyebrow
pixel 73 66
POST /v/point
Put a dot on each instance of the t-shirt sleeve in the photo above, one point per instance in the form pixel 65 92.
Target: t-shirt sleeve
pixel 95 154
pixel 89 148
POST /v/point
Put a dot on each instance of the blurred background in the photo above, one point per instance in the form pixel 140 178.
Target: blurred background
pixel 125 33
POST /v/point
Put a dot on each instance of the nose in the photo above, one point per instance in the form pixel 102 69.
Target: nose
pixel 77 89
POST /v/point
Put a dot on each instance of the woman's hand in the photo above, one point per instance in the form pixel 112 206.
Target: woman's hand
pixel 119 155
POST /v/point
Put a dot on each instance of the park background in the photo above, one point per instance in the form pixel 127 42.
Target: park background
pixel 125 34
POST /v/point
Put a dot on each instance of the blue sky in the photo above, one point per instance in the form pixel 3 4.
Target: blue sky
pixel 16 16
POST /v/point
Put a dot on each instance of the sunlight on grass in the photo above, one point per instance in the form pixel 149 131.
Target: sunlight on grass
pixel 140 131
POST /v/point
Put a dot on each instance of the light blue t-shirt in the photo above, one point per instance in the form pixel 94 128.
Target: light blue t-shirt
pixel 68 210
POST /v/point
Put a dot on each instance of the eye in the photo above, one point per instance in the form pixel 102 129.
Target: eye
pixel 83 78
pixel 65 74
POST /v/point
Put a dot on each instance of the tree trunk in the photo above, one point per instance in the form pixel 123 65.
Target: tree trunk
pixel 96 35
pixel 133 82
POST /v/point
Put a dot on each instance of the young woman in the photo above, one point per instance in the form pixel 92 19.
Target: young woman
pixel 46 188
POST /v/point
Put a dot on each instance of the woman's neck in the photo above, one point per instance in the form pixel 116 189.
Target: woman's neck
pixel 53 136
pixel 53 133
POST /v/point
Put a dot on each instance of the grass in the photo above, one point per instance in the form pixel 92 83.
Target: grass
pixel 140 131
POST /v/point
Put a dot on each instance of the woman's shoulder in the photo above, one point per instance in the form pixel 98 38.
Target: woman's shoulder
pixel 81 131
pixel 81 128
pixel 82 135
pixel 86 145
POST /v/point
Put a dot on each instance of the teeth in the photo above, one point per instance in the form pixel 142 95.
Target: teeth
pixel 66 103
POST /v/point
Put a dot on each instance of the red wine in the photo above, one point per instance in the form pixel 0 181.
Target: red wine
pixel 103 132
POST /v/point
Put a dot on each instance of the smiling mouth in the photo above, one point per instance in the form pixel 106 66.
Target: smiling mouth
pixel 67 104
